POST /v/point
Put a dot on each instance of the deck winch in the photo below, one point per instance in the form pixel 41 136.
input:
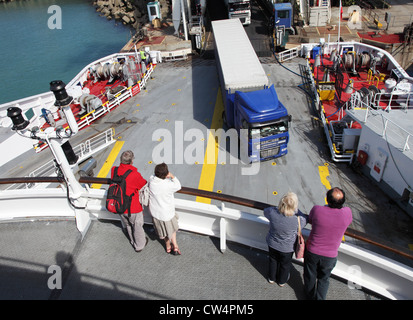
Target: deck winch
pixel 89 102
pixel 15 114
pixel 355 61
pixel 366 97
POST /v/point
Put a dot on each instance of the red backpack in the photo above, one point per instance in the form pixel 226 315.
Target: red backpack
pixel 116 199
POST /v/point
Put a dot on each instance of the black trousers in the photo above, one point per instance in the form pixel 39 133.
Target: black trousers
pixel 317 271
pixel 279 265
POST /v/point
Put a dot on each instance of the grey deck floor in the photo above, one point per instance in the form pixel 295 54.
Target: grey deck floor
pixel 104 266
pixel 181 96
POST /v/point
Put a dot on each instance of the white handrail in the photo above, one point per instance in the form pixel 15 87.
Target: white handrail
pixel 47 99
pixel 288 54
pixel 370 113
pixel 359 266
pixel 335 156
pixel 83 150
pixel 394 97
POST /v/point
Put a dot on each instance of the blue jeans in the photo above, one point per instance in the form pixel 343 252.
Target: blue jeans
pixel 317 271
pixel 279 265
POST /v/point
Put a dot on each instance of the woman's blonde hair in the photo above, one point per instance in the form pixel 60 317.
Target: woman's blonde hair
pixel 288 205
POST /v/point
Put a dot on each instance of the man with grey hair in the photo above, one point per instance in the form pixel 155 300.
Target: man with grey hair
pixel 132 218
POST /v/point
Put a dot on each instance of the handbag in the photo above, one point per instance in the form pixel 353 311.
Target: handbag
pixel 144 195
pixel 300 243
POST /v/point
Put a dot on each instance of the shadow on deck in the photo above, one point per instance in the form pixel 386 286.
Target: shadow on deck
pixel 104 266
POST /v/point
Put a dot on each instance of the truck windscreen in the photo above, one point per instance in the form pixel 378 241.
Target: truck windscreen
pixel 269 130
pixel 239 6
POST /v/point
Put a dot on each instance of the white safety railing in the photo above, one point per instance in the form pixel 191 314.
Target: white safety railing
pixel 359 266
pixel 120 97
pixel 83 150
pixel 335 154
pixel 400 98
pixel 288 54
pixel 175 55
pixel 400 137
pixel 46 100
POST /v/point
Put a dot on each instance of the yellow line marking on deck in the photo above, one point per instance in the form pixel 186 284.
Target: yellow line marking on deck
pixel 109 163
pixel 324 173
pixel 206 181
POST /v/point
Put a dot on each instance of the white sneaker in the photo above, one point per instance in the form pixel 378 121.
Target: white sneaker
pixel 283 284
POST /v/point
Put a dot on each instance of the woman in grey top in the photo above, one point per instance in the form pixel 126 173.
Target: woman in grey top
pixel 282 236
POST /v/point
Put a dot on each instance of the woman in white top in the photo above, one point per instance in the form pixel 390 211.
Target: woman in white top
pixel 162 187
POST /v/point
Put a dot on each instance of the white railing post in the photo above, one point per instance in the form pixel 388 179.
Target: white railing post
pixel 385 127
pixel 88 146
pixel 223 235
pixel 366 116
pixel 223 231
pixel 406 145
pixel 82 149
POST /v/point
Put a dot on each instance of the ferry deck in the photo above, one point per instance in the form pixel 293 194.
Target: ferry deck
pixel 184 98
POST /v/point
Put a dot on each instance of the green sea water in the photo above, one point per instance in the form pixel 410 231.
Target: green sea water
pixel 34 50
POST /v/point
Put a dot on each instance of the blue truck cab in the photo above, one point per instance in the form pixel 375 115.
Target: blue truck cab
pixel 251 105
pixel 283 13
pixel 281 22
pixel 266 119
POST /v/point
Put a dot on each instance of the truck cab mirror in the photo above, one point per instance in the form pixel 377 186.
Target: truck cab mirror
pixel 290 118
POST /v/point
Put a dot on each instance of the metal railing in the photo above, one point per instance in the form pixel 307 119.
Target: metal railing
pixel 357 265
pixel 335 155
pixel 106 107
pixel 83 150
pixel 46 100
pixel 395 97
pixel 288 54
pixel 400 136
pixel 219 197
